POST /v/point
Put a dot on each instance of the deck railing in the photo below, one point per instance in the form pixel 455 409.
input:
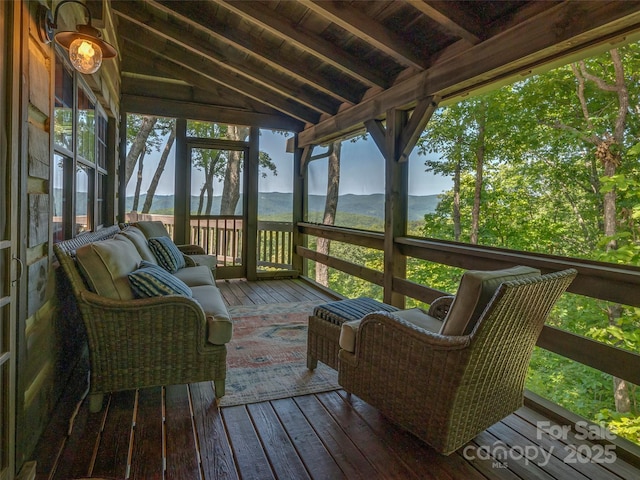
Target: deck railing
pixel 603 281
pixel 223 236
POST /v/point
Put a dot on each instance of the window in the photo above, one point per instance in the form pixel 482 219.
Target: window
pixel 80 157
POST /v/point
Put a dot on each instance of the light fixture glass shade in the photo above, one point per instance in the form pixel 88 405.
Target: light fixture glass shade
pixel 85 55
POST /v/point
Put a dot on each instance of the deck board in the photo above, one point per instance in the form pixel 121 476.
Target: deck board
pixel 215 452
pixel 281 454
pixel 352 462
pixel 179 432
pixel 251 459
pixel 310 447
pixel 148 442
pixel 113 452
pixel 387 464
pixel 181 447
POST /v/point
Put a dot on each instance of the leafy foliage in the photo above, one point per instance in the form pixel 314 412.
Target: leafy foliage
pixel 558 159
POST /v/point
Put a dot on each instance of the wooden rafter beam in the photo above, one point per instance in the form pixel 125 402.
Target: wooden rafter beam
pixel 415 126
pixel 410 131
pixel 378 133
pixel 536 44
pixel 198 71
pixel 366 28
pixel 200 17
pixel 137 81
pixel 139 16
pixel 164 107
pixel 443 20
pixel 313 44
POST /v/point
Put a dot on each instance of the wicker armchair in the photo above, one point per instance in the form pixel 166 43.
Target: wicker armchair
pixel 141 342
pixel 446 389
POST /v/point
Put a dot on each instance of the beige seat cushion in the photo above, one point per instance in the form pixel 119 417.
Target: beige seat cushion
pixel 419 318
pixel 195 276
pixel 152 228
pixel 218 320
pixel 209 261
pixel 140 241
pixel 416 316
pixel 474 293
pixel 106 265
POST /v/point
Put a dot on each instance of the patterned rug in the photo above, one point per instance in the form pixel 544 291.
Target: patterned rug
pixel 267 355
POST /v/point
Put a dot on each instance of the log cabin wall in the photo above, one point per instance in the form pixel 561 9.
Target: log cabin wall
pixel 50 336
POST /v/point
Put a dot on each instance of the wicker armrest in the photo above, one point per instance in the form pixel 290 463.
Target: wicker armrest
pixel 191 249
pixel 377 326
pixel 440 307
pixel 151 314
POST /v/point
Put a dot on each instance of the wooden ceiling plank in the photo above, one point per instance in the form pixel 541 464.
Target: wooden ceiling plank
pixel 313 44
pixel 366 28
pixel 141 18
pixel 535 44
pixel 198 67
pixel 190 14
pixel 446 22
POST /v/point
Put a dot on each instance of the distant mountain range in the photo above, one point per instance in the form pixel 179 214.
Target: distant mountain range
pixel 275 204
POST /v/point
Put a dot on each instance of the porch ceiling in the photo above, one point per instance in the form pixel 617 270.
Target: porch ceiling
pixel 326 67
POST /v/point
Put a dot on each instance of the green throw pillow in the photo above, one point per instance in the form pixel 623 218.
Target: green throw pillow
pixel 153 281
pixel 167 254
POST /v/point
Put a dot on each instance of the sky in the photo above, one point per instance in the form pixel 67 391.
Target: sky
pixel 361 171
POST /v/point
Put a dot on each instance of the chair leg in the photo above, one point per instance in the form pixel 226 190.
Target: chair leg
pixel 95 402
pixel 219 387
pixel 312 362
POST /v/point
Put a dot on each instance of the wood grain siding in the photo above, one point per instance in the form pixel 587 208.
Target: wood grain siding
pixel 51 340
pixel 38 360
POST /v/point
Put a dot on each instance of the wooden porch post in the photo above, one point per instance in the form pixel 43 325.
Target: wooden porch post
pixel 300 159
pixel 395 206
pixel 182 184
pixel 396 142
pixel 251 205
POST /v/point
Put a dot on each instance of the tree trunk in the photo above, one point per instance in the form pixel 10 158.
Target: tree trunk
pixel 608 148
pixel 457 228
pixel 477 195
pixel 136 195
pixel 203 190
pixel 139 144
pixel 231 187
pixel 209 185
pixel 151 191
pixel 330 209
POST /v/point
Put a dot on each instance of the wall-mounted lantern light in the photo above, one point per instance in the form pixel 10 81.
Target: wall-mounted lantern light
pixel 86 48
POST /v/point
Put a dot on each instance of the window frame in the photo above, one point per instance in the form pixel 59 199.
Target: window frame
pixel 73 160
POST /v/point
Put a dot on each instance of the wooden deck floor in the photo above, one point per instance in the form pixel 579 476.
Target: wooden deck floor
pixel 177 433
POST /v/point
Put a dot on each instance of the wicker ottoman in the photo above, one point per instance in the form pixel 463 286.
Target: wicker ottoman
pixel 323 334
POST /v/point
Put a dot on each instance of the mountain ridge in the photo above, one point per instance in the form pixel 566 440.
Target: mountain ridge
pixel 278 203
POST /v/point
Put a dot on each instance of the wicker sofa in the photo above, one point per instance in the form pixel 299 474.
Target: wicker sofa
pixel 141 342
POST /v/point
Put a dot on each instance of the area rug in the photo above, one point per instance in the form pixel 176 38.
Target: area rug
pixel 267 355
